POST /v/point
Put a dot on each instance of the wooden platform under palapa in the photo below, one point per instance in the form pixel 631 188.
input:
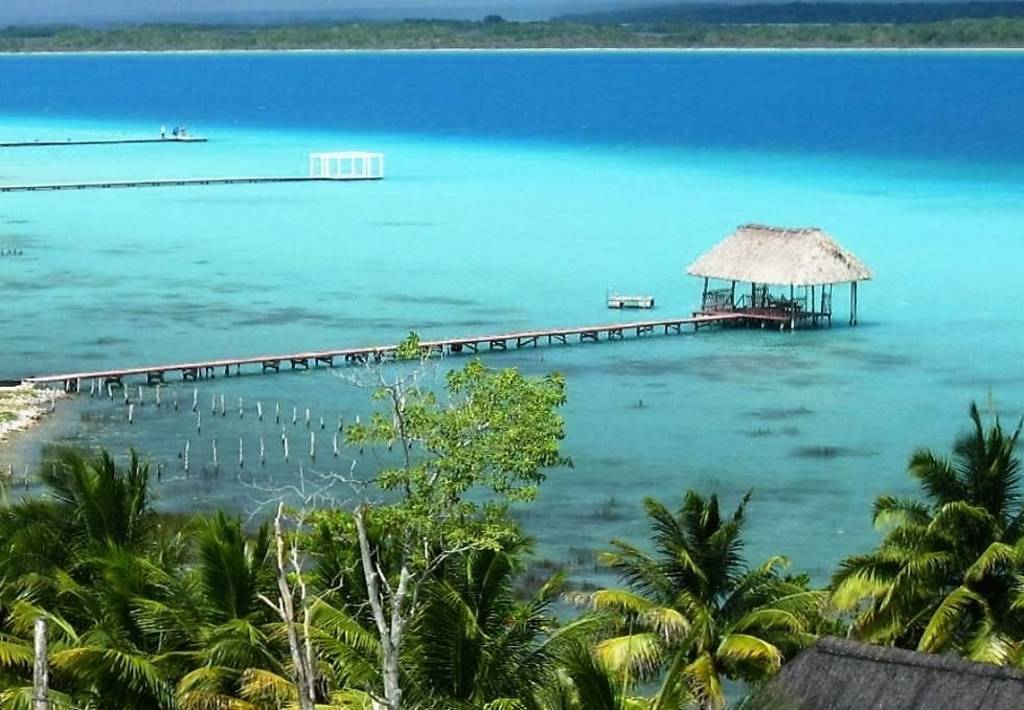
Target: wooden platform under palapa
pixel 778 271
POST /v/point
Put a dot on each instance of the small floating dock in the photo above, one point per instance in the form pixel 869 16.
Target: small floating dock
pixel 155 374
pixel 99 141
pixel 619 301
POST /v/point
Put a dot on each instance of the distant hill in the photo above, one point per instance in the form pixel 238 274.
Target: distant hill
pixel 797 13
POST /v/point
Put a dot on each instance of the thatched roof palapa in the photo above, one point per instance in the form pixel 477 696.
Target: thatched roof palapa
pixel 838 674
pixel 780 256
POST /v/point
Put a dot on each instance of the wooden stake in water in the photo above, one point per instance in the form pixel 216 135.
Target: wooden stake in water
pixel 295 415
pixel 241 461
pixel 186 456
pixel 131 413
pixel 158 396
pixel 140 396
pixel 199 422
pixel 213 405
pixel 175 393
pixel 341 422
pixel 223 409
pixel 263 453
pixel 195 398
pixel 277 413
pixel 286 448
pixel 110 391
pixel 312 445
pixel 53 401
pixel 241 412
pixel 307 417
pixel 214 454
pixel 259 410
pixel 321 423
pixel 335 445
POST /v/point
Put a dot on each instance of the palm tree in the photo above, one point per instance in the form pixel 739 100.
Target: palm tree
pixel 216 612
pixel 945 574
pixel 583 682
pixel 472 642
pixel 81 558
pixel 694 613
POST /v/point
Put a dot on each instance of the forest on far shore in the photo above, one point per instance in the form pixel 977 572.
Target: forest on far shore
pixel 798 25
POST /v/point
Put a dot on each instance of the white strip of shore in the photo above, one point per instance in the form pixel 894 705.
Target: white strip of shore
pixel 23 406
pixel 531 50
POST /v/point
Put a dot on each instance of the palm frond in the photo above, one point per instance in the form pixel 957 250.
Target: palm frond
pixel 640 653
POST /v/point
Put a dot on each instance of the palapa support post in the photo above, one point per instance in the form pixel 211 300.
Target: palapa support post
pixel 704 295
pixel 853 303
pixel 792 308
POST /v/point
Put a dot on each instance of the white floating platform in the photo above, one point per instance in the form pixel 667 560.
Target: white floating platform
pixel 617 300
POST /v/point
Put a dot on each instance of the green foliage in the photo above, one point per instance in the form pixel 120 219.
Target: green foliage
pixel 947 574
pixel 703 29
pixel 694 613
pixel 495 432
pixel 145 614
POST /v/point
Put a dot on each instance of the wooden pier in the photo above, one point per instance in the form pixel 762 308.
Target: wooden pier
pixel 173 182
pixel 97 141
pixel 155 374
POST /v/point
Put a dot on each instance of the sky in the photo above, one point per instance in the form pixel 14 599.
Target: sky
pixel 105 11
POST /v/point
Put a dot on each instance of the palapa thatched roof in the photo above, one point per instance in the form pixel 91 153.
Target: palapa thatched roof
pixel 755 253
pixel 837 674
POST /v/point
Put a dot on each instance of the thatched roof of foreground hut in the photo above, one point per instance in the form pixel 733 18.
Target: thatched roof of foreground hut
pixel 780 256
pixel 838 674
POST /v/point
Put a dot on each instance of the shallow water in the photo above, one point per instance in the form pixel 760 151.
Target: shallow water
pixel 520 187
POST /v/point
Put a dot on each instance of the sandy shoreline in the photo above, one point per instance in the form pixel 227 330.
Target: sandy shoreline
pixel 22 406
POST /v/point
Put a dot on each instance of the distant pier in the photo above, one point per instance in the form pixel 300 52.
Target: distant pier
pixel 173 182
pixel 98 141
pixel 336 166
pixel 155 374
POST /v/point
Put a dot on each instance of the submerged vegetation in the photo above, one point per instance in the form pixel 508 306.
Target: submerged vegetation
pixel 494 33
pixel 408 593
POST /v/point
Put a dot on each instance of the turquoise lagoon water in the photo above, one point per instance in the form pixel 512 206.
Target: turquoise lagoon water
pixel 520 187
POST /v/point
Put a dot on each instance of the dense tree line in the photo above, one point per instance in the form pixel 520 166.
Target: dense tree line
pixel 492 34
pixel 793 13
pixel 414 602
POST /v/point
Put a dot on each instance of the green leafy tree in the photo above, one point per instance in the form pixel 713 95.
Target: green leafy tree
pixel 693 613
pixel 945 575
pixel 491 437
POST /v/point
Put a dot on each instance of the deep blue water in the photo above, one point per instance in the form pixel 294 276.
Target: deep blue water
pixel 933 105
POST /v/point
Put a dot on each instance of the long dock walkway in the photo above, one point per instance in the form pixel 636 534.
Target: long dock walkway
pixel 155 374
pixel 96 141
pixel 173 182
